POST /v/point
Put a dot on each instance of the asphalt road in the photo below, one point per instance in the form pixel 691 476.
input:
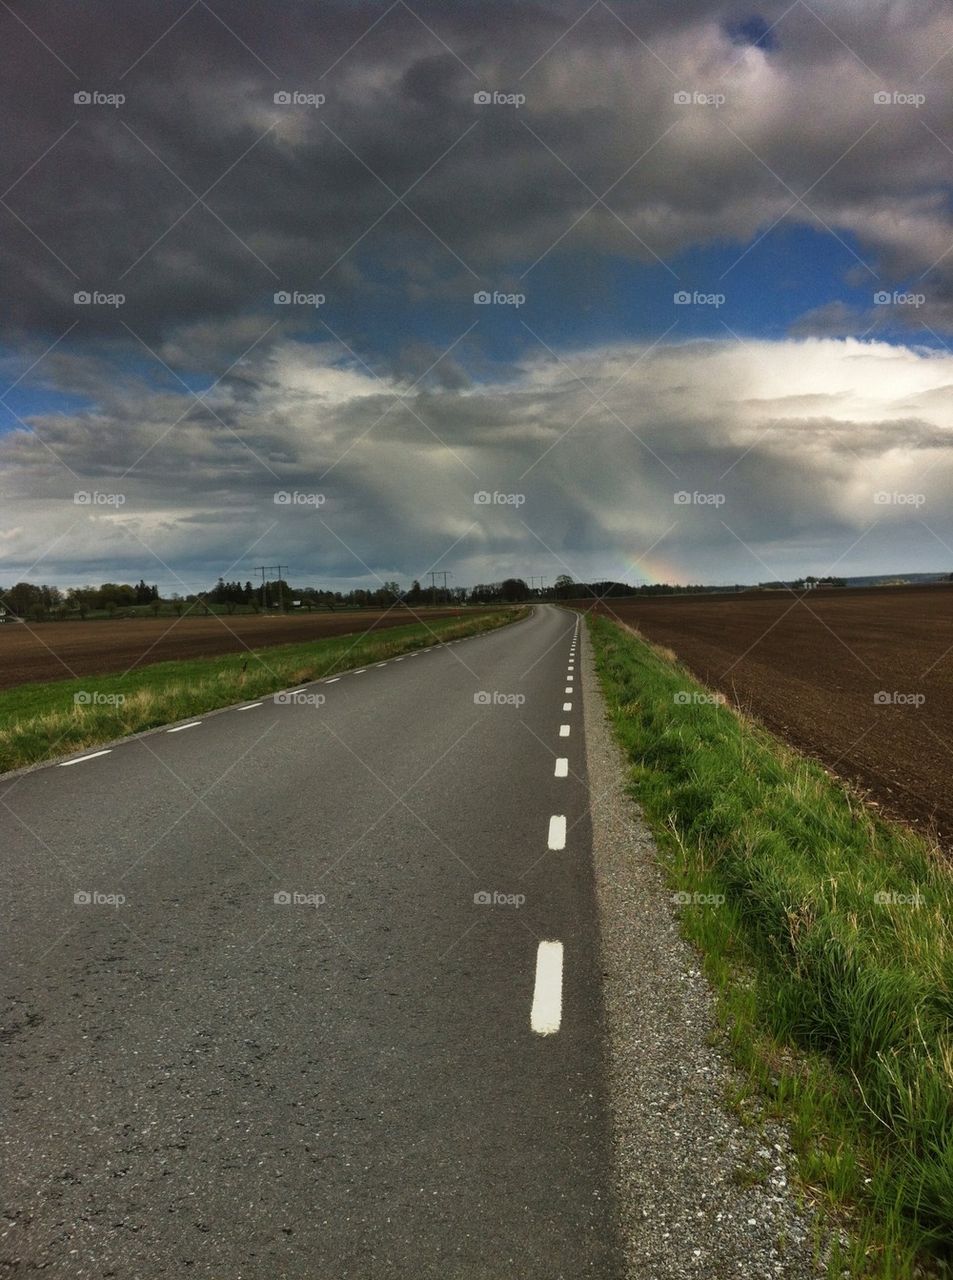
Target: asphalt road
pixel 385 1076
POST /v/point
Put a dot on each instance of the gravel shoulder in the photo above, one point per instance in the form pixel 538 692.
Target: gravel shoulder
pixel 699 1193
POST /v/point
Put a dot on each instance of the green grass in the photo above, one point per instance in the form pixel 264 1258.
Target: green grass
pixel 43 721
pixel 831 952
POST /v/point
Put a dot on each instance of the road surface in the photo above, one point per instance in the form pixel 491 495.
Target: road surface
pixel 262 1020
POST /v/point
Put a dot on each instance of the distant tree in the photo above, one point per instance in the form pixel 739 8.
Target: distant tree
pixel 564 587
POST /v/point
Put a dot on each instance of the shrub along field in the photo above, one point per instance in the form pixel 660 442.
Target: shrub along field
pixel 829 939
pixel 43 721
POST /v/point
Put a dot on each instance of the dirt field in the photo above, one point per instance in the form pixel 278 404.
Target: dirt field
pixel 60 650
pixel 810 670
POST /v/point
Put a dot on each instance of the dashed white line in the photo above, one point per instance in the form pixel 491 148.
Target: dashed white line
pixel 300 689
pixel 382 664
pixel 562 767
pixel 568 689
pixel 557 831
pixel 567 706
pixel 570 679
pixel 179 727
pixel 334 681
pixel 360 671
pixel 547 1012
pixel 564 730
pixel 65 764
pixel 250 705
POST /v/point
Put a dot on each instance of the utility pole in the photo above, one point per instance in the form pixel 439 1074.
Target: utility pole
pixel 264 569
pixel 532 580
pixel 434 575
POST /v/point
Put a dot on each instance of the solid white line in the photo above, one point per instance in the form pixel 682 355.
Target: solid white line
pixel 564 730
pixel 547 1011
pixel 65 764
pixel 567 706
pixel 250 705
pixel 180 727
pixel 557 831
pixel 562 768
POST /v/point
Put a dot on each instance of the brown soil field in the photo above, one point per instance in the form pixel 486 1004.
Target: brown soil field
pixel 61 650
pixel 810 667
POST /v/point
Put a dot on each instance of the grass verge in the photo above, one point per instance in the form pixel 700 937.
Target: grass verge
pixel 42 721
pixel 827 934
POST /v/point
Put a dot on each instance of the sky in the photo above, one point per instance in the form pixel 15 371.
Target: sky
pixel 642 291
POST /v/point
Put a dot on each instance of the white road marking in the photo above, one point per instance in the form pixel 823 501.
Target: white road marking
pixel 564 730
pixel 250 705
pixel 334 681
pixel 299 690
pixel 382 664
pixel 547 1012
pixel 557 831
pixel 398 659
pixel 180 727
pixel 568 689
pixel 570 678
pixel 562 767
pixel 360 671
pixel 567 706
pixel 65 764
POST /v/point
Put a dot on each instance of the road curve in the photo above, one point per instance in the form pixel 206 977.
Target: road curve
pixel 387 1075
